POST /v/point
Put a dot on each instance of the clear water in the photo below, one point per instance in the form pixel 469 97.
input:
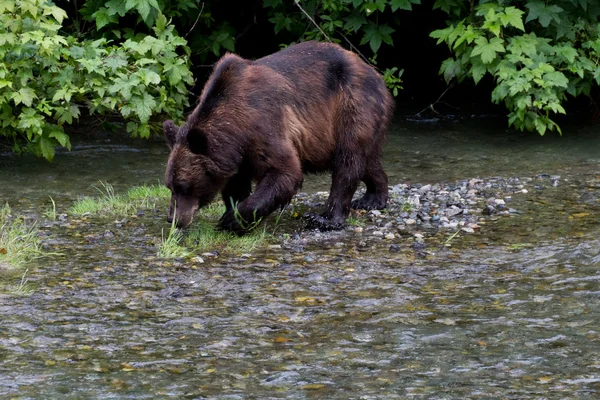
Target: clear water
pixel 512 312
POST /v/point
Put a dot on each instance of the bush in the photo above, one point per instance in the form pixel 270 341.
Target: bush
pixel 537 53
pixel 47 78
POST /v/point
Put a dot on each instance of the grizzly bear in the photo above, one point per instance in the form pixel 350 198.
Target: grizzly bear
pixel 312 107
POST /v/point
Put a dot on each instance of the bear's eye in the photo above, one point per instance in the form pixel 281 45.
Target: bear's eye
pixel 208 174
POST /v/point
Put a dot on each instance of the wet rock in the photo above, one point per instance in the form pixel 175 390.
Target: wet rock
pixel 424 189
pixel 489 210
pixel 394 248
pixel 452 211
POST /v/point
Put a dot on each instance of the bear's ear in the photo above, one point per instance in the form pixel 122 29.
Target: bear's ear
pixel 170 131
pixel 197 141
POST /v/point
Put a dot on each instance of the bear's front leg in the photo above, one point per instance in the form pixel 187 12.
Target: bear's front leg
pixel 275 190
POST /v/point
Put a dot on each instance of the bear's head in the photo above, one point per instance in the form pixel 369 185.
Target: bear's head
pixel 192 175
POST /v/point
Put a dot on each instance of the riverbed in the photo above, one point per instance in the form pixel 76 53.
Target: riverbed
pixel 511 310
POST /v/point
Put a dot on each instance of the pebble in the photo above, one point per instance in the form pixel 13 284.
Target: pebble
pixel 394 248
pixel 464 205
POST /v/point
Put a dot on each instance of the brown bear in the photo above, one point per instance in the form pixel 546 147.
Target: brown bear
pixel 312 107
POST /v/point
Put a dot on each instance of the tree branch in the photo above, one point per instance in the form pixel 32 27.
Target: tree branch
pixel 195 22
pixel 312 20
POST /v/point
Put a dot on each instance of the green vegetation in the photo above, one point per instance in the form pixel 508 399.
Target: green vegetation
pixel 51 212
pixel 109 203
pixel 47 78
pixel 537 52
pixel 133 58
pixel 19 245
pixel 202 236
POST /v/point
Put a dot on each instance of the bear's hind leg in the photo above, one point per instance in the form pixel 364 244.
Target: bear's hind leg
pixel 345 179
pixel 376 180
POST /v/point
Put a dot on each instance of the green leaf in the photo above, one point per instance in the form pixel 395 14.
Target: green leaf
pixel 375 34
pixel 58 13
pixel 451 68
pixel 143 106
pixel 148 76
pixel 524 44
pixel 161 23
pixel 477 71
pixel 567 52
pixel 488 50
pixel 46 146
pixel 31 122
pixel 142 6
pixel 176 72
pixel 116 7
pixel 103 18
pixel 29 6
pixel 512 16
pixel 542 12
pixel 7 5
pixel 355 21
pixel 403 4
pixel 442 34
pixel 66 114
pixel 281 22
pixel 58 133
pixel 556 78
pixel 115 61
pixel 123 85
pixel 25 95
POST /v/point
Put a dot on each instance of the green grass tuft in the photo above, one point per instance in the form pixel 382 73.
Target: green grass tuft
pixel 51 212
pixel 19 243
pixel 109 203
pixel 170 246
pixel 204 236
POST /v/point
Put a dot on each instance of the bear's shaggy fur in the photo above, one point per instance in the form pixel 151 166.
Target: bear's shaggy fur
pixel 312 107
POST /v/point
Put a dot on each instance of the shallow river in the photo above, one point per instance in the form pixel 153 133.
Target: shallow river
pixel 512 311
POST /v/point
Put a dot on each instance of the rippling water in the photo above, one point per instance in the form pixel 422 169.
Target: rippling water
pixel 512 312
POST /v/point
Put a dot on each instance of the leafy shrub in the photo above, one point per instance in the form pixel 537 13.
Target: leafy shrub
pixel 350 22
pixel 46 78
pixel 537 53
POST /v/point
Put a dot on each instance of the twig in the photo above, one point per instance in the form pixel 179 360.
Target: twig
pixel 430 106
pixel 312 20
pixel 195 22
pixel 355 49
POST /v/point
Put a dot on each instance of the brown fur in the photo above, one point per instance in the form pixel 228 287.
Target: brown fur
pixel 312 107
